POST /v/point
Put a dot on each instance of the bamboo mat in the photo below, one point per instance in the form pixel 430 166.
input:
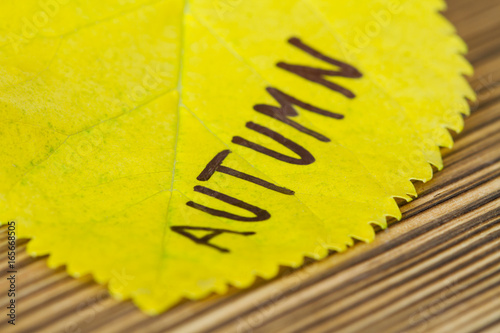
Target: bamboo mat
pixel 438 270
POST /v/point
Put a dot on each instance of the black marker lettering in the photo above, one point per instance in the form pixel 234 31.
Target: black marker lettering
pixel 260 214
pixel 286 110
pixel 317 74
pixel 205 240
pixel 216 165
pixel 305 156
pixel 283 113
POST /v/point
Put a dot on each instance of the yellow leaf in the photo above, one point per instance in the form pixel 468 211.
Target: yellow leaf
pixel 143 141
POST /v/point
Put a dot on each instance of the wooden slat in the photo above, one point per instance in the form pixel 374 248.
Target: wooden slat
pixel 438 270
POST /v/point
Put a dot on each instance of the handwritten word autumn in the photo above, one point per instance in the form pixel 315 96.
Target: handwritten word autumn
pixel 281 112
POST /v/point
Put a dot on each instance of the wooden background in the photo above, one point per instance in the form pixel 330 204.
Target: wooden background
pixel 438 270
